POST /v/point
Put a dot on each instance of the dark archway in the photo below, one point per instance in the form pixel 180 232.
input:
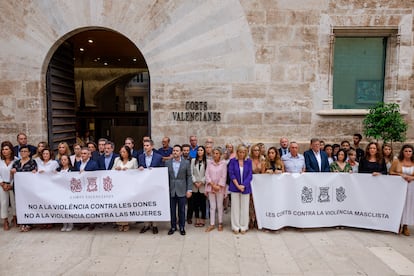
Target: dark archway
pixel 88 88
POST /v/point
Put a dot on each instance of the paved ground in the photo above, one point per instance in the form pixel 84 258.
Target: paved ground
pixel 106 251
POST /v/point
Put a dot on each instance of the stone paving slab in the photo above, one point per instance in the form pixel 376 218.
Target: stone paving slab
pixel 105 251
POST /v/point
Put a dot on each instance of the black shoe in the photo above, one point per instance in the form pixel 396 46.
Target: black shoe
pixel 155 230
pixel 182 232
pixel 144 229
pixel 189 221
pixel 171 231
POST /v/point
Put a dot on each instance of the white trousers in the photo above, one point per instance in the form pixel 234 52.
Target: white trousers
pixel 5 197
pixel 240 211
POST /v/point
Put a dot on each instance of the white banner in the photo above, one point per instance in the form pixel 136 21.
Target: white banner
pixel 329 199
pixel 98 196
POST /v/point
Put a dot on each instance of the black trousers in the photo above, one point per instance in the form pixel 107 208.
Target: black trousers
pixel 199 205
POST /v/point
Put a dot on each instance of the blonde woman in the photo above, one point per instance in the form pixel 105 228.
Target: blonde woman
pixel 63 149
pixel 241 174
pixel 216 175
pixel 258 166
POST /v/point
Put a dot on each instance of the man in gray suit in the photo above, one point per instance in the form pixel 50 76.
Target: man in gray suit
pixel 181 183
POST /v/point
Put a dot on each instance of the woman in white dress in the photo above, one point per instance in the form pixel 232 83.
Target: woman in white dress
pixel 404 166
pixel 125 161
pixel 40 147
pixel 6 190
pixel 47 164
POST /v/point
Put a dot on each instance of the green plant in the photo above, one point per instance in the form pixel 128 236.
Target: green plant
pixel 385 122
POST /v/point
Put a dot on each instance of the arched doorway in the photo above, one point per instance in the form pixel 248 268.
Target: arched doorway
pixel 97 84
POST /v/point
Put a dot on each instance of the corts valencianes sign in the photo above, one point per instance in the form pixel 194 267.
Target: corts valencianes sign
pixel 196 111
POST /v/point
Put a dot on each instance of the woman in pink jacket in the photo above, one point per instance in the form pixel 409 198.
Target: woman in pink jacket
pixel 216 175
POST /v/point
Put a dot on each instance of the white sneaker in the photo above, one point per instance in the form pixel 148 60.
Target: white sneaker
pixel 69 227
pixel 65 225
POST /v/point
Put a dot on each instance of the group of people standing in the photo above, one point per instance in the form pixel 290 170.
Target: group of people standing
pixel 203 175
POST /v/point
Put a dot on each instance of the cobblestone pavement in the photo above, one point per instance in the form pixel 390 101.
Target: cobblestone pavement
pixel 105 251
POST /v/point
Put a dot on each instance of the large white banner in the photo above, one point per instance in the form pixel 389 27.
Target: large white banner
pixel 98 196
pixel 329 199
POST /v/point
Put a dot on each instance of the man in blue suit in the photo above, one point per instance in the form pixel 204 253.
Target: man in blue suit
pixel 316 160
pixel 106 161
pixel 149 159
pixel 86 163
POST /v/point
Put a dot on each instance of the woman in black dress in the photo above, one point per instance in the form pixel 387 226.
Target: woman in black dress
pixel 372 162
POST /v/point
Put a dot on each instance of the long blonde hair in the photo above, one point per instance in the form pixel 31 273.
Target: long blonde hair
pixel 67 150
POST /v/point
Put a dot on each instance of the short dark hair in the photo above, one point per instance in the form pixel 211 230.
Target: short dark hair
pixel 149 141
pixel 358 135
pixel 110 143
pixel 50 153
pixel 24 147
pixel 185 146
pixel 179 146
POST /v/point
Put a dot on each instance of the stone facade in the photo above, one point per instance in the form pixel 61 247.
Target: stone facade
pixel 265 65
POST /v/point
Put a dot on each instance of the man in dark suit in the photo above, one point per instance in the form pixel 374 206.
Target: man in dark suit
pixel 180 180
pixel 149 159
pixel 106 161
pixel 129 141
pixel 284 146
pixel 316 160
pixel 22 141
pixel 86 163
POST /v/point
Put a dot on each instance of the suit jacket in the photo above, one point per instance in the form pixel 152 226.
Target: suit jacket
pixel 90 166
pixel 183 182
pixel 155 162
pixel 234 173
pixel 198 175
pixel 101 161
pixel 280 152
pixel 95 155
pixel 312 164
pixel 32 150
pixel 135 153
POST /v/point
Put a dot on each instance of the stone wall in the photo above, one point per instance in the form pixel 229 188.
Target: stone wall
pixel 265 65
